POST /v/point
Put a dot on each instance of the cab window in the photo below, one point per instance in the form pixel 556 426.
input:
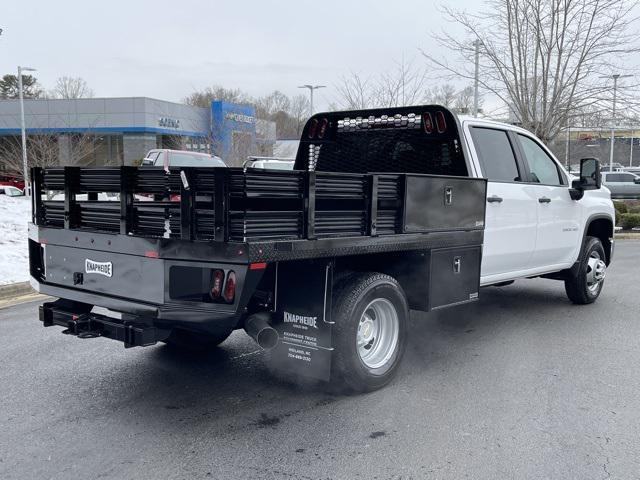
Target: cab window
pixel 495 154
pixel 542 168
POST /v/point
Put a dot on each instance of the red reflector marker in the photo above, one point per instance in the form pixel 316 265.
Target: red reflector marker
pixel 216 283
pixel 313 127
pixel 441 123
pixel 258 266
pixel 230 287
pixel 324 123
pixel 427 122
pixel 152 254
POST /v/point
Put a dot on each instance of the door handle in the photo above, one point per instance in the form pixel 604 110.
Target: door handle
pixel 544 200
pixel 494 199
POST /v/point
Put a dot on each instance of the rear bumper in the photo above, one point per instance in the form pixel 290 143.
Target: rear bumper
pixel 166 316
pixel 170 288
pixel 85 324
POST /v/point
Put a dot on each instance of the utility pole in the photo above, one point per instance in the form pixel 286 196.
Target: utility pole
pixel 476 77
pixel 615 77
pixel 631 149
pixel 23 128
pixel 566 150
pixel 311 89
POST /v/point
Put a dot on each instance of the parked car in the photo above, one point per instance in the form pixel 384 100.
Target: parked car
pixel 616 167
pixel 634 170
pixel 268 163
pixel 622 184
pixel 181 158
pixel 11 191
pixel 12 180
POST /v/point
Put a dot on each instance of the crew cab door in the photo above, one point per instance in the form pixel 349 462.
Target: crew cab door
pixel 558 232
pixel 511 214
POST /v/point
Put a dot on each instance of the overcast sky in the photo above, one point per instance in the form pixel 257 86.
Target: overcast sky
pixel 166 49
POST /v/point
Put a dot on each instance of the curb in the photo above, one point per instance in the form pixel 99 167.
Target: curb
pixel 12 290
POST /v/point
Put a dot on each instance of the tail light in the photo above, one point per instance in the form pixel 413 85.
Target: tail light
pixel 230 287
pixel 322 130
pixel 217 279
pixel 427 122
pixel 313 127
pixel 441 123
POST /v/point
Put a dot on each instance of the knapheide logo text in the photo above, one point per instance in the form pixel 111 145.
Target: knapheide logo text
pixel 300 319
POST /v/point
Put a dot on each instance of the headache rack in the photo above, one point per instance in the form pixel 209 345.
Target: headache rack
pixel 234 205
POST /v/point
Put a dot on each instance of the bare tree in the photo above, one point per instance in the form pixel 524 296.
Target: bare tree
pixel 271 104
pixel 299 113
pixel 203 98
pixel 445 95
pixel 44 150
pixel 402 85
pixel 464 101
pixel 355 92
pixel 542 57
pixel 70 88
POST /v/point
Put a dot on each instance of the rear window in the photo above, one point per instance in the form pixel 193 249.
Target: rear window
pixel 391 151
pixel 496 155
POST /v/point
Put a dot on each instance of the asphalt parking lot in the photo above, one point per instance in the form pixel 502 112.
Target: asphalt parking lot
pixel 521 385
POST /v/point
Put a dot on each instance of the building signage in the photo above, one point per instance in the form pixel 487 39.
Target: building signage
pixel 239 117
pixel 167 122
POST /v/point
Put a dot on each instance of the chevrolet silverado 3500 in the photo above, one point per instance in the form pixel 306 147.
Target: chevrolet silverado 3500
pixel 386 210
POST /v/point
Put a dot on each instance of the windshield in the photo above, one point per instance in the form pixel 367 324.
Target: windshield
pixel 187 160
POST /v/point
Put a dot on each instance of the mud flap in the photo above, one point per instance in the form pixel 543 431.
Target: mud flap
pixel 303 318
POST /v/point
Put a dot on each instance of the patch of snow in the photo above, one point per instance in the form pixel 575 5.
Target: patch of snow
pixel 15 213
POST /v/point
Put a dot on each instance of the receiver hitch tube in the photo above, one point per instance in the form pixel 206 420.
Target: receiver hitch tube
pixel 86 324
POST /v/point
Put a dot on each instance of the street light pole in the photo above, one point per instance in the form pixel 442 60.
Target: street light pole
pixel 615 77
pixel 566 150
pixel 476 78
pixel 23 128
pixel 311 89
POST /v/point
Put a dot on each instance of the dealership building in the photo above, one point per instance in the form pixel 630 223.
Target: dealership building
pixel 119 131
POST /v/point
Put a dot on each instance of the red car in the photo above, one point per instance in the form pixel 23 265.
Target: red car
pixel 12 181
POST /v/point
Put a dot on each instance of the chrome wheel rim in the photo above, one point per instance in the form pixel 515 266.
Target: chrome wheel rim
pixel 377 336
pixel 596 271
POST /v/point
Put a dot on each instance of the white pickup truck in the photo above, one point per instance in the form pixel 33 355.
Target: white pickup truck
pixel 385 210
pixel 536 225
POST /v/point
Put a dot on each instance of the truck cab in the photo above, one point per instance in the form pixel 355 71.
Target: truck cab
pixel 533 225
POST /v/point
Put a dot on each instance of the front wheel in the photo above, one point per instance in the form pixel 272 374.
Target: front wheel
pixel 370 332
pixel 586 285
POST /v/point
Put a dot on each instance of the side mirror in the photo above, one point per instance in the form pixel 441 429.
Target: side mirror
pixel 590 178
pixel 636 181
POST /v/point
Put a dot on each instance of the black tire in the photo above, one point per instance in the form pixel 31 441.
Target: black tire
pixel 353 294
pixel 195 342
pixel 577 287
